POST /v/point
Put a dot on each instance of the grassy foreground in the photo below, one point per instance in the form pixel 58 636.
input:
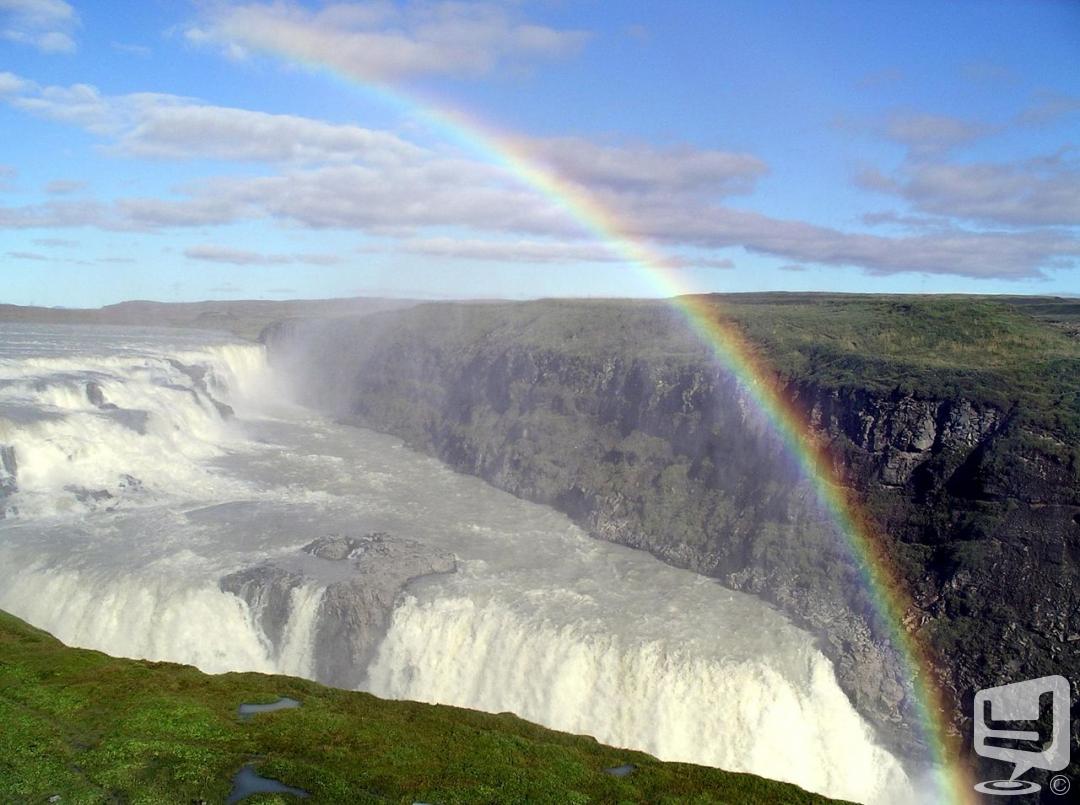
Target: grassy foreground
pixel 93 728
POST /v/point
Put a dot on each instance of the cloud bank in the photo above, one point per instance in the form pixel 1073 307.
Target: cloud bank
pixel 978 220
pixel 46 25
pixel 382 41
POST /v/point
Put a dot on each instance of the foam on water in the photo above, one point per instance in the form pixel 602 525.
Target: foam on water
pixel 152 436
pixel 152 616
pixel 298 652
pixel 539 619
pixel 775 715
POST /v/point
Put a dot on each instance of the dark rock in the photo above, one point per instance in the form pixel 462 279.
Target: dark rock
pixel 977 512
pixel 268 592
pixel 338 548
pixel 89 496
pixel 94 394
pixel 198 375
pixel 130 483
pixel 9 471
pixel 9 480
pixel 361 578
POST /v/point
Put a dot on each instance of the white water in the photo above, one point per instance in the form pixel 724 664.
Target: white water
pixel 539 619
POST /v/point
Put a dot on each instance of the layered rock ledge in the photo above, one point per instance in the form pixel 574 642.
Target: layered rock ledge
pixel 615 414
pixel 356 581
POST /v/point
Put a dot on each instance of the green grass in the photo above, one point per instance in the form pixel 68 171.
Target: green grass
pixel 1013 355
pixel 1020 355
pixel 92 728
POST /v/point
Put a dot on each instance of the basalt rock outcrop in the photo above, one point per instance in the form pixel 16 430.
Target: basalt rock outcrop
pixel 197 375
pixel 618 417
pixel 9 477
pixel 355 580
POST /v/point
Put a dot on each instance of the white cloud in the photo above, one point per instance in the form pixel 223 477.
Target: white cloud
pixel 1049 107
pixel 388 198
pixel 643 167
pixel 11 84
pixel 383 40
pixel 61 187
pixel 173 127
pixel 239 257
pixel 1028 193
pixel 323 175
pixel 54 215
pixel 44 24
pixel 181 130
pixel 80 104
pixel 512 251
pixel 142 51
pixel 931 134
pixel 154 213
pixel 541 251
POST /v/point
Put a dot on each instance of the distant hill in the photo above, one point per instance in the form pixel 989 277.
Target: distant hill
pixel 244 318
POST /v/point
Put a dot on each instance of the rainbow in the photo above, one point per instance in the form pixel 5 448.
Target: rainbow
pixel 951 781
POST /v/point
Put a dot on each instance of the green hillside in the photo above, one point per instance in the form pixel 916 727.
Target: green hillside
pixel 92 728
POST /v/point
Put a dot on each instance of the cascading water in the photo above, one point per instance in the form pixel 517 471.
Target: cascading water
pixel 135 492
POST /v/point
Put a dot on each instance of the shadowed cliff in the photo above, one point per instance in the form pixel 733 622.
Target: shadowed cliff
pixel 955 420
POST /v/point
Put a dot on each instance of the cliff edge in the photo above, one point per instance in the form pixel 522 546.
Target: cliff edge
pixel 956 422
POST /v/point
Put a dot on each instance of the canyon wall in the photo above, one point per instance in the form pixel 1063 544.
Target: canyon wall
pixel 614 413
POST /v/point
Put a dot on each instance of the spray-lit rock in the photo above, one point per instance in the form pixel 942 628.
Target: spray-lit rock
pixel 96 395
pixel 614 414
pixel 359 577
pixel 8 476
pixel 198 376
pixel 267 589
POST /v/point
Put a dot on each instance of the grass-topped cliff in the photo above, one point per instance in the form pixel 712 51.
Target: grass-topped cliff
pixel 91 728
pixel 955 420
pixel 1013 353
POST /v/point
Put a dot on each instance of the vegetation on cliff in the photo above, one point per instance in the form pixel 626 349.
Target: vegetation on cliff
pixel 956 420
pixel 91 728
pixel 1013 354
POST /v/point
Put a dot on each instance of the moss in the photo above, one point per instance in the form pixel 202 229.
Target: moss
pixel 92 728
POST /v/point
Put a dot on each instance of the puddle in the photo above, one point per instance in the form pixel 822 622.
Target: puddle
pixel 284 703
pixel 620 771
pixel 248 782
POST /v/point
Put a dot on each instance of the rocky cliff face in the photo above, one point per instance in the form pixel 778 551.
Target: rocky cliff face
pixel 357 580
pixel 8 476
pixel 663 451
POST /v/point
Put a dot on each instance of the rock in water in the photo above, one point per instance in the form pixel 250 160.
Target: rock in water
pixel 361 578
pixel 8 474
pixel 197 375
pixel 268 592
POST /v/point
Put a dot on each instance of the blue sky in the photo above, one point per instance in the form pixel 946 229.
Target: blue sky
pixel 218 150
